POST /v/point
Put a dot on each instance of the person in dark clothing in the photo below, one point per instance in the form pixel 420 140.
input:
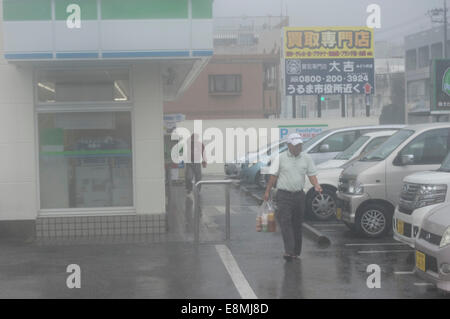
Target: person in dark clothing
pixel 196 154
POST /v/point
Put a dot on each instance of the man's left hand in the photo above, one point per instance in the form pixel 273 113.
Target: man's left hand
pixel 204 164
pixel 318 188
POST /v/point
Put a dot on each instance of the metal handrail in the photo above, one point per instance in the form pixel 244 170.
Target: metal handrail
pixel 197 207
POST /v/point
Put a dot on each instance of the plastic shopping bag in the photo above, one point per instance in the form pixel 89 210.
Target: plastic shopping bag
pixel 265 221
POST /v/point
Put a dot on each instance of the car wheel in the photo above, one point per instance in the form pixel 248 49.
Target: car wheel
pixel 322 206
pixel 374 221
pixel 260 180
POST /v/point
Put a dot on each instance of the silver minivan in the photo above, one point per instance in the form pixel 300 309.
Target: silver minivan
pixel 370 188
pixel 433 247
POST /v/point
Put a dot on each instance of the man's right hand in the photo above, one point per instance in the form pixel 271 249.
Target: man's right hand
pixel 266 196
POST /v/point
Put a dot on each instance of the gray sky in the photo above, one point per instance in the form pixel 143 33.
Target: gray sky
pixel 398 17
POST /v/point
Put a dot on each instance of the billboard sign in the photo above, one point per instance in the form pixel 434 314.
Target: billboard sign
pixel 441 86
pixel 334 60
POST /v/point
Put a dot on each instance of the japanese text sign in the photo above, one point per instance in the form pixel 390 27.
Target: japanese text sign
pixel 328 42
pixel 331 60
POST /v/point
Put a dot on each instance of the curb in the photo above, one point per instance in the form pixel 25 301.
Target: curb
pixel 320 238
pixel 251 194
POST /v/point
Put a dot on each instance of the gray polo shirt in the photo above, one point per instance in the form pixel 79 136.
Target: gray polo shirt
pixel 291 170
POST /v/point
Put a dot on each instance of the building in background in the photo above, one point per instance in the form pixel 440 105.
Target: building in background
pixel 242 79
pixel 420 49
pixel 81 112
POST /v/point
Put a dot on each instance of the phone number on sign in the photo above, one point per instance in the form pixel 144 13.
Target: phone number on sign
pixel 350 78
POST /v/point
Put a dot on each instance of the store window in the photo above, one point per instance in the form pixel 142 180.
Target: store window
pixel 424 57
pixel 82 85
pixel 225 84
pixel 411 60
pixel 85 160
pixel 436 50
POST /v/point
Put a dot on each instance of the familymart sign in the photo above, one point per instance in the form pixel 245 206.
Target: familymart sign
pixel 107 29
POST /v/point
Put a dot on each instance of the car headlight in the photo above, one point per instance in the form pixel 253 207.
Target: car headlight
pixel 355 187
pixel 430 195
pixel 445 238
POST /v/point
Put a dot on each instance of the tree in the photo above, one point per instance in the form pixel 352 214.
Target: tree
pixel 394 113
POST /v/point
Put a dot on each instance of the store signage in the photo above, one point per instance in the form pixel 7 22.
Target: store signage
pixel 335 60
pixel 107 29
pixel 305 131
pixel 440 70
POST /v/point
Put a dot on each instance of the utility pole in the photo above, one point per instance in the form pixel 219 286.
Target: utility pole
pixel 439 16
pixel 445 30
pixel 294 106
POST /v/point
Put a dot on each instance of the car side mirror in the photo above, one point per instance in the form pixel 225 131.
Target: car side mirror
pixel 324 148
pixel 406 159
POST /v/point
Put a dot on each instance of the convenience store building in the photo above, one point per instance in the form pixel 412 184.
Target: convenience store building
pixel 81 111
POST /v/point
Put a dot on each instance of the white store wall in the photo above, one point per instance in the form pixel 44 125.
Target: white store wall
pixel 18 159
pixel 18 177
pixel 148 138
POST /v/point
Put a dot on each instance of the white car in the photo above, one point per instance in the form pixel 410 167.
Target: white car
pixel 329 143
pixel 421 192
pixel 233 169
pixel 362 145
pixel 323 206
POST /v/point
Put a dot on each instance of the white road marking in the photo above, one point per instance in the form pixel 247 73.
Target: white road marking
pixel 404 272
pixel 235 273
pixel 423 284
pixel 328 225
pixel 377 244
pixel 383 251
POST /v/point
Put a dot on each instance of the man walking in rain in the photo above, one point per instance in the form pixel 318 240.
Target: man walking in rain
pixel 288 171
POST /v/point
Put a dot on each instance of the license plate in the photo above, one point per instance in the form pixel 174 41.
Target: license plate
pixel 339 213
pixel 400 226
pixel 420 260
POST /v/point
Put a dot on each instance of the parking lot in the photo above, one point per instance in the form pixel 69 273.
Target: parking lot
pixel 250 265
pixel 336 271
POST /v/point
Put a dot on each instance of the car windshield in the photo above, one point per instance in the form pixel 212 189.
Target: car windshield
pixel 314 139
pixel 352 149
pixel 385 149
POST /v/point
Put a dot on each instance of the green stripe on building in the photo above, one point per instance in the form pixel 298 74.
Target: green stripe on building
pixel 202 9
pixel 27 10
pixel 144 9
pixel 40 10
pixel 88 9
pixel 94 152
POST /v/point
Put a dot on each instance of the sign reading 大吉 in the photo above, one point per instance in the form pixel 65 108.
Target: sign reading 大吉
pixel 334 60
pixel 328 76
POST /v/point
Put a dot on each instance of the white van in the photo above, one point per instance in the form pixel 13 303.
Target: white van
pixel 421 192
pixel 328 144
pixel 323 206
pixel 370 188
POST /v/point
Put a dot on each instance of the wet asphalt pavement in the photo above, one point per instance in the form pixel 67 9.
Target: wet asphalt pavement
pixel 251 264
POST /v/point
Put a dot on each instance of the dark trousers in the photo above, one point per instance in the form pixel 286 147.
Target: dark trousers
pixel 291 207
pixel 192 171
